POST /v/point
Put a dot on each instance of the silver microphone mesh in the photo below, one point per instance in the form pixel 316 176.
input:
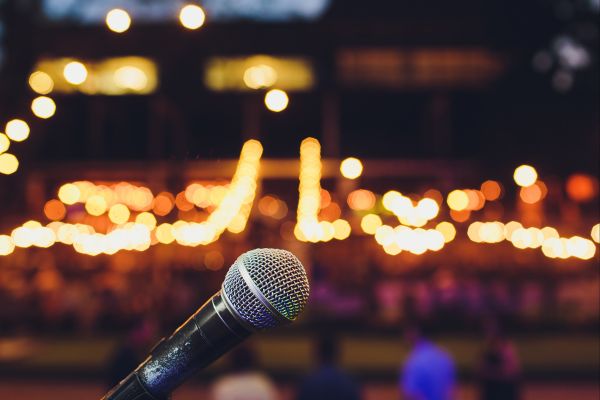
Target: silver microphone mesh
pixel 266 287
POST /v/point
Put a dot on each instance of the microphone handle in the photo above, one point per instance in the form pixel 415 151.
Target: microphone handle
pixel 205 336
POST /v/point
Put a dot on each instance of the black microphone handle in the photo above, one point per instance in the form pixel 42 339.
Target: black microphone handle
pixel 204 337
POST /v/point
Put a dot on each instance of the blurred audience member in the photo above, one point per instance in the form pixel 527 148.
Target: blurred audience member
pixel 499 368
pixel 328 381
pixel 132 350
pixel 245 382
pixel 428 372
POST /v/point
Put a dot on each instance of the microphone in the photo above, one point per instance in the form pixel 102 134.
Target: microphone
pixel 264 288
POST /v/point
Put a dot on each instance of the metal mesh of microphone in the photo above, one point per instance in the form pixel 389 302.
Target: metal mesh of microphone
pixel 266 287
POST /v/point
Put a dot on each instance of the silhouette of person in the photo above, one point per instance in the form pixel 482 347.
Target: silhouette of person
pixel 328 381
pixel 428 372
pixel 245 382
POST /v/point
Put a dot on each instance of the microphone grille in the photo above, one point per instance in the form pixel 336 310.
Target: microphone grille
pixel 266 287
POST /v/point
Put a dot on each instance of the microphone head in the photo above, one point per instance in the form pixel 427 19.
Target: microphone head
pixel 266 288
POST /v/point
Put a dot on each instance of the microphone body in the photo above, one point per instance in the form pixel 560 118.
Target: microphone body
pixel 263 289
pixel 205 336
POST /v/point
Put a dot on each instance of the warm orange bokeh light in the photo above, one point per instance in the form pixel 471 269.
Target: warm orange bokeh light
pixel 55 210
pixel 163 203
pixel 361 199
pixel 460 216
pixel 582 187
pixel 182 203
pixel 491 190
pixel 531 194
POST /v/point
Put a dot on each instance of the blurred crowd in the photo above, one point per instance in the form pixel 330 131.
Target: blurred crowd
pixel 48 292
pixel 428 371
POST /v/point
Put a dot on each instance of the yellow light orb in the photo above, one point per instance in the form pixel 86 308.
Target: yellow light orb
pixel 95 205
pixel 260 76
pixel 276 100
pixel 147 219
pixel 17 130
pixel 525 175
pixel 4 143
pixel 370 222
pixel 192 16
pixel 43 107
pixel 7 246
pixel 129 77
pixel 595 233
pixel 40 82
pixel 447 230
pixel 69 193
pixel 458 200
pixel 341 229
pixel 351 168
pixel 75 73
pixel 8 164
pixel 118 20
pixel 119 214
pixel 164 233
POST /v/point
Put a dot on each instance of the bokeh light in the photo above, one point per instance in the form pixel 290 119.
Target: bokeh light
pixel 458 200
pixel 447 230
pixel 40 82
pixel 164 233
pixel 530 194
pixel 118 20
pixel 17 130
pixel 491 190
pixel 95 205
pixel 55 210
pixel 276 100
pixel 130 77
pixel 582 187
pixel 69 193
pixel 192 16
pixel 370 223
pixel 595 233
pixel 361 199
pixel 43 107
pixel 7 246
pixel 525 175
pixel 119 214
pixel 8 164
pixel 163 203
pixel 4 143
pixel 147 219
pixel 75 73
pixel 351 168
pixel 260 76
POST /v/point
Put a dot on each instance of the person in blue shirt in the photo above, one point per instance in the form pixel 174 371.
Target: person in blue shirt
pixel 328 382
pixel 428 372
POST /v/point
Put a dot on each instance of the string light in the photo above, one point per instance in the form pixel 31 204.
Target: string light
pixel 40 82
pixel 8 164
pixel 525 175
pixel 43 107
pixel 595 233
pixel 4 143
pixel 75 73
pixel 276 100
pixel 192 16
pixel 17 130
pixel 118 20
pixel 351 168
